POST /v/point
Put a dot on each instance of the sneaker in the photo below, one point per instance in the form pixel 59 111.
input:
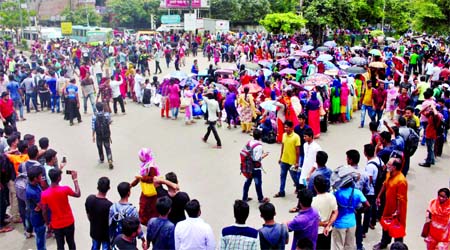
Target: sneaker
pixel 111 166
pixel 424 164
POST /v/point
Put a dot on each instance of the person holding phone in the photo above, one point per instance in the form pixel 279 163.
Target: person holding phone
pixel 56 199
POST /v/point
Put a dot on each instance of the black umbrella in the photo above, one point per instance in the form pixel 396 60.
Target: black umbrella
pixel 322 48
pixel 355 70
pixel 358 61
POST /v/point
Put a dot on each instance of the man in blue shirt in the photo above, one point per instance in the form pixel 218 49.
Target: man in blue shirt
pixel 321 160
pixel 160 231
pixel 55 98
pixel 348 199
pixel 33 196
pixel 16 95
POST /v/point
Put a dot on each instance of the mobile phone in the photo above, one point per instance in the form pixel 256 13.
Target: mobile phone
pixel 64 159
pixel 68 171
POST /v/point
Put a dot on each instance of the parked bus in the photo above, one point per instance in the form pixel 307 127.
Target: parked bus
pixel 92 35
pixel 43 33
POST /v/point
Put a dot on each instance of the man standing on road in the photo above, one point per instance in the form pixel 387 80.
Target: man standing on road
pixel 157 56
pixel 290 152
pixel 101 130
pixel 7 113
pixel 194 233
pixel 213 117
pixel 30 92
pixel 116 95
pixel 88 89
pixel 379 101
pixel 16 95
pixel 257 154
pixel 56 199
pixel 97 209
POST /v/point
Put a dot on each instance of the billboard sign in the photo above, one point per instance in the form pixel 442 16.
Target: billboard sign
pixel 170 19
pixel 66 28
pixel 190 22
pixel 183 3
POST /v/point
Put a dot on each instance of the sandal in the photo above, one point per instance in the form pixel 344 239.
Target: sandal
pixel 294 210
pixel 6 229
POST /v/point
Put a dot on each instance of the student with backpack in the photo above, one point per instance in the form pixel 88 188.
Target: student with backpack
pixel 121 210
pixel 374 168
pixel 101 133
pixel 272 235
pixel 160 231
pixel 251 167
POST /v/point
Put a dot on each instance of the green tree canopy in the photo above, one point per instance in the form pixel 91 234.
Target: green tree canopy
pixel 132 13
pixel 82 15
pixel 10 15
pixel 283 22
pixel 240 11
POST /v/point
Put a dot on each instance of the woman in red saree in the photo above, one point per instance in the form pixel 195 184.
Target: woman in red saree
pixel 438 213
pixel 313 107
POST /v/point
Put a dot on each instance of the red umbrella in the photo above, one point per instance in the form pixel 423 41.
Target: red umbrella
pixel 400 59
pixel 228 81
pixel 300 53
pixel 253 88
pixel 294 83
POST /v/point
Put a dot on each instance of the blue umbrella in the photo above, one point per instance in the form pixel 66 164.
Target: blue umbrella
pixel 307 47
pixel 325 57
pixel 331 44
pixel 268 105
pixel 329 65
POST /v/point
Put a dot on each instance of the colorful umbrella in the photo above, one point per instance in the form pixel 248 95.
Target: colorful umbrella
pixel 325 57
pixel 322 48
pixel 355 48
pixel 224 71
pixel 375 52
pixel 358 61
pixel 330 44
pixel 355 70
pixel 267 72
pixel 307 47
pixel 301 53
pixel 329 65
pixel 228 81
pixel 332 72
pixel 253 88
pixel 295 83
pixel 280 54
pixel 190 82
pixel 202 73
pixel 318 79
pixel 343 64
pixel 390 39
pixel 265 63
pixel 268 105
pixel 399 58
pixel 378 65
pixel 253 66
pixel 178 75
pixel 287 71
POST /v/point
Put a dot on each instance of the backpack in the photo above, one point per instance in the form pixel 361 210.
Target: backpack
pixel 265 244
pixel 381 175
pixel 115 227
pixel 270 137
pixel 412 142
pixel 247 162
pixel 102 126
pixel 343 175
pixel 21 182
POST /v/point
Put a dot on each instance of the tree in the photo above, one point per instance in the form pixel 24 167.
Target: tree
pixel 428 17
pixel 283 22
pixel 132 13
pixel 10 16
pixel 82 15
pixel 283 6
pixel 240 11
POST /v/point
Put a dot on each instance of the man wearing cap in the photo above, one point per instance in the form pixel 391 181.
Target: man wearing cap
pixel 7 113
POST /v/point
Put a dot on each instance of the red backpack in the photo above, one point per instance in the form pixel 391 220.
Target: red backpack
pixel 247 162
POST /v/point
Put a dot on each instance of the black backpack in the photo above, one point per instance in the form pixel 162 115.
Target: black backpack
pixel 102 127
pixel 412 142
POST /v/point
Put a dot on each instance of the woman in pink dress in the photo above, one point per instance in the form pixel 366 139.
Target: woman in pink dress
pixel 174 98
pixel 392 94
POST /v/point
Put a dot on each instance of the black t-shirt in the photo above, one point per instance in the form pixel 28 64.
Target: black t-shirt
pixel 178 203
pixel 121 244
pixel 98 210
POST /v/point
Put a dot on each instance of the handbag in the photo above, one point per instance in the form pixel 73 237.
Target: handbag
pixel 185 102
pixel 393 226
pixel 148 189
pixel 322 111
pixel 425 229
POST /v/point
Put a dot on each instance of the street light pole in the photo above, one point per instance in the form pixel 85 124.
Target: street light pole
pixel 384 13
pixel 21 21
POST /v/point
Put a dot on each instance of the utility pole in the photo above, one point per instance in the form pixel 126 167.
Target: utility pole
pixel 384 13
pixel 21 21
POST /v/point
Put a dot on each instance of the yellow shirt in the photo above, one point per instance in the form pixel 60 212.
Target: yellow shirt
pixel 290 143
pixel 367 100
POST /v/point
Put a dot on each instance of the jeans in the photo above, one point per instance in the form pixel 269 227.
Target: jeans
pixel 65 234
pixel 359 230
pixel 256 175
pixel 10 120
pixel 423 126
pixel 157 67
pixel 174 112
pixel 54 103
pixel 97 244
pixel 430 151
pixel 33 97
pixel 40 237
pixel 369 110
pixel 212 127
pixel 99 78
pixel 285 168
pixel 45 100
pixel 24 216
pixel 91 98
pixel 407 163
pixel 378 114
pixel 4 193
pixel 370 216
pixel 18 105
pixel 386 239
pixel 119 100
pixel 106 143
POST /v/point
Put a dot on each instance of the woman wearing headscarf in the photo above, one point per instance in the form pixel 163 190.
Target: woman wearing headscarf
pixel 174 98
pixel 345 92
pixel 335 100
pixel 438 214
pixel 313 109
pixel 230 108
pixel 248 110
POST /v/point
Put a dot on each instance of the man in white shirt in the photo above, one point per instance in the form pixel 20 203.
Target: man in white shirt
pixel 116 95
pixel 213 115
pixel 193 233
pixel 326 204
pixel 138 83
pixel 310 148
pixel 372 167
pixel 98 70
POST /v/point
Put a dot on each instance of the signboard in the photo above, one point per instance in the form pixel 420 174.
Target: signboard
pixel 66 28
pixel 183 3
pixel 170 19
pixel 222 25
pixel 190 22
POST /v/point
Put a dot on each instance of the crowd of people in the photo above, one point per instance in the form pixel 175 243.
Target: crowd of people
pixel 282 90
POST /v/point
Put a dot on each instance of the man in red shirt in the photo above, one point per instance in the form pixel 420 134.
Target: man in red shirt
pixel 83 71
pixel 379 97
pixel 56 199
pixel 7 111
